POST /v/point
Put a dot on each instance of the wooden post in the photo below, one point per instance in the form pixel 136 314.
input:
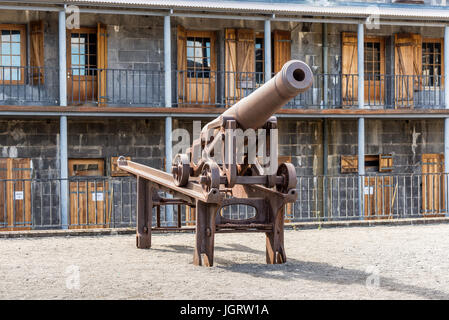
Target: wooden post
pixel 144 214
pixel 275 251
pixel 205 233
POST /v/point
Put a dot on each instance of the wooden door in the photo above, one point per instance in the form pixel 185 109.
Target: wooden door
pixel 196 68
pixel 82 80
pixel 374 71
pixel 88 194
pixel 433 189
pixel 379 197
pixel 408 68
pixel 15 194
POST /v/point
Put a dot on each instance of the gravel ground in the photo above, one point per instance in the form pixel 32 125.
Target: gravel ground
pixel 395 262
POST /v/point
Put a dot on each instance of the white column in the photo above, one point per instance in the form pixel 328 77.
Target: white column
pixel 361 65
pixel 446 120
pixel 361 165
pixel 63 149
pixel 168 120
pixel 267 49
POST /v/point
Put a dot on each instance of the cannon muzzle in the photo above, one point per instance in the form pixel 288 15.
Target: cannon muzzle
pixel 253 111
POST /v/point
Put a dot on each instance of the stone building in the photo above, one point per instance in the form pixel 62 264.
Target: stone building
pixel 83 82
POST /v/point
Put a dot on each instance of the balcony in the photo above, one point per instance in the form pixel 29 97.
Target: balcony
pixel 222 89
pixel 121 88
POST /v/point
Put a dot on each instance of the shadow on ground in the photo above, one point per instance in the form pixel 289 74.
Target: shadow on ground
pixel 312 271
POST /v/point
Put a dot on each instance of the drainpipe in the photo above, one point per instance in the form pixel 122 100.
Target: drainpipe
pixel 168 104
pixel 267 49
pixel 325 67
pixel 63 157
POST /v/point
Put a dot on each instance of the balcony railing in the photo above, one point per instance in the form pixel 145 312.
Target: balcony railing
pixel 29 85
pixel 111 202
pixel 145 88
pixel 115 87
pixel 329 91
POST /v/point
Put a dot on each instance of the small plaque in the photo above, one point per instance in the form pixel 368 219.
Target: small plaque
pixel 18 195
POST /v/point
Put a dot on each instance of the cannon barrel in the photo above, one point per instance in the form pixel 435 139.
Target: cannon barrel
pixel 253 111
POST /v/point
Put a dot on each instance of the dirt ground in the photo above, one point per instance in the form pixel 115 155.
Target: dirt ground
pixel 395 262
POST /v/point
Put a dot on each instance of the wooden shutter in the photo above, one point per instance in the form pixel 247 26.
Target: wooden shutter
pixel 37 52
pixel 349 164
pixel 349 69
pixel 408 66
pixel 182 63
pixel 245 59
pixel 231 91
pixel 282 48
pixel 385 162
pixel 102 62
pixel 116 171
pixel 239 63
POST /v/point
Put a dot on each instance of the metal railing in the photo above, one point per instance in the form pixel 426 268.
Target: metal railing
pixel 29 85
pixel 145 88
pixel 115 87
pixel 328 91
pixel 99 202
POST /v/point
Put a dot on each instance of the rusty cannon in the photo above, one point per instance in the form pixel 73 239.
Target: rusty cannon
pixel 227 166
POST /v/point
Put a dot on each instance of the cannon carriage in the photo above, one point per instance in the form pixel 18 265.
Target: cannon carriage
pixel 223 168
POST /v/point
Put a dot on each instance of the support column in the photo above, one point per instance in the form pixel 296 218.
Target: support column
pixel 361 65
pixel 267 49
pixel 63 153
pixel 326 212
pixel 446 120
pixel 361 166
pixel 168 104
pixel 446 162
pixel 325 67
pixel 446 67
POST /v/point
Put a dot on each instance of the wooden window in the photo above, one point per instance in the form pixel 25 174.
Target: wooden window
pixel 196 67
pixel 12 54
pixel 372 60
pixel 83 44
pixel 198 57
pixel 432 62
pixel 86 167
pixel 259 54
pixel 383 162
